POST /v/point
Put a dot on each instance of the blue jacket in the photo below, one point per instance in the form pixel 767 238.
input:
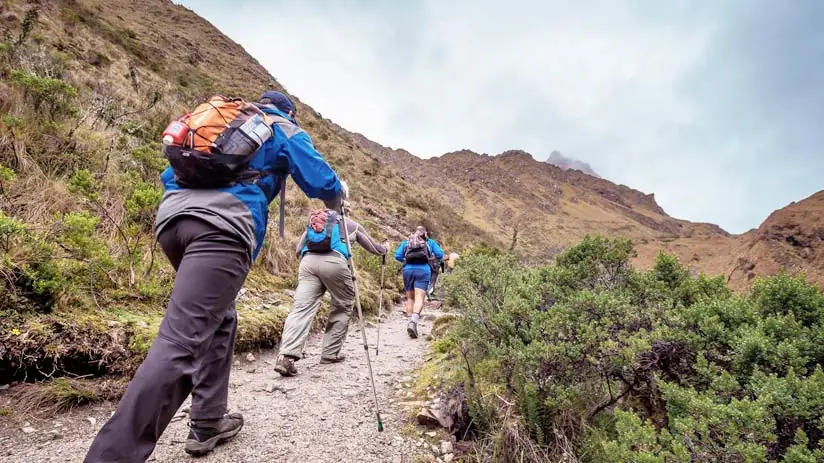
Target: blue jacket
pixel 434 249
pixel 243 209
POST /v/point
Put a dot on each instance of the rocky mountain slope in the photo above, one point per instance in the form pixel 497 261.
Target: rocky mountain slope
pixel 558 159
pixel 552 207
pixel 791 238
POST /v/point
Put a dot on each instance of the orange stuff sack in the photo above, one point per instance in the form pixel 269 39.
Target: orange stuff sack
pixel 211 147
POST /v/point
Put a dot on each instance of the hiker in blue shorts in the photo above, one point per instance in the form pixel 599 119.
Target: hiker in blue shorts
pixel 417 254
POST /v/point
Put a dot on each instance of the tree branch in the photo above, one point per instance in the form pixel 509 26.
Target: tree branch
pixel 609 403
pixel 123 236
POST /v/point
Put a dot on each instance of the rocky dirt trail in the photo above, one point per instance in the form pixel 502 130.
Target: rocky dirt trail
pixel 325 414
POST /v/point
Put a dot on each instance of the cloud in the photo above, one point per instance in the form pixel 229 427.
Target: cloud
pixel 713 106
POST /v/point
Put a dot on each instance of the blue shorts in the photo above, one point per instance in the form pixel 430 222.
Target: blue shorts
pixel 415 278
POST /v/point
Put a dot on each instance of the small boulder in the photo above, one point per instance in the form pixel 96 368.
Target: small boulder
pixel 427 418
pixel 250 357
pixel 446 447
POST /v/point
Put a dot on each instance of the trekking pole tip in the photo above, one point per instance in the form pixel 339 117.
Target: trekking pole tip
pixel 380 426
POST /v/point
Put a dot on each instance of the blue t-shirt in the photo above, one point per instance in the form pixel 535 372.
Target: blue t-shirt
pixel 434 249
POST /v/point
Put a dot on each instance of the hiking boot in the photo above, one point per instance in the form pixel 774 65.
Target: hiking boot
pixel 285 365
pixel 338 358
pixel 412 329
pixel 206 435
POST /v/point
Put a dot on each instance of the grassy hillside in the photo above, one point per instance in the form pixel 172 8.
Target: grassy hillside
pixel 86 87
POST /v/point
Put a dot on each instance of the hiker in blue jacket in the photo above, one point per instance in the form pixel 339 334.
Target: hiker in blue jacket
pixel 211 237
pixel 417 255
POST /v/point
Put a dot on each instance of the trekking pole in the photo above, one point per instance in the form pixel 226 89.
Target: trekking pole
pixel 380 304
pixel 351 263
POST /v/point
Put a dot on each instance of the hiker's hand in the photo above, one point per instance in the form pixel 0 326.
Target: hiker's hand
pixel 345 208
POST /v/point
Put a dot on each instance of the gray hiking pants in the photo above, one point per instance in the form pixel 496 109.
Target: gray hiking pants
pixel 319 273
pixel 193 349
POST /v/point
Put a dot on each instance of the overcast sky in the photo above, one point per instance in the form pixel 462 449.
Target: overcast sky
pixel 717 107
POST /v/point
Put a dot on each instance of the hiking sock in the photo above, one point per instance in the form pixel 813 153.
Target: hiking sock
pixel 415 317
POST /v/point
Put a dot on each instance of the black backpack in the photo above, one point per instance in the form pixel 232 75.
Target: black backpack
pixel 417 249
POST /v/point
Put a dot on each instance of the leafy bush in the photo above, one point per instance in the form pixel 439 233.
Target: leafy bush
pixel 9 228
pixel 655 366
pixel 46 93
pixel 152 162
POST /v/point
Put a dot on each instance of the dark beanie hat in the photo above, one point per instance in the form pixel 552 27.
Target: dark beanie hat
pixel 281 101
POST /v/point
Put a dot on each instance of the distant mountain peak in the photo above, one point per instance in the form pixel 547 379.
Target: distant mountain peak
pixel 557 159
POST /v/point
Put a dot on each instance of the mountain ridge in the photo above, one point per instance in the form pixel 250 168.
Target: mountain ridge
pixel 704 246
pixel 557 158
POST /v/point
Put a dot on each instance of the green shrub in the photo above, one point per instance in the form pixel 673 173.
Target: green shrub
pixel 9 228
pixel 142 204
pixel 151 160
pixel 48 94
pixel 6 174
pixel 630 366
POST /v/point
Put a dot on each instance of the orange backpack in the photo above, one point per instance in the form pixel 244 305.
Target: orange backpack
pixel 211 147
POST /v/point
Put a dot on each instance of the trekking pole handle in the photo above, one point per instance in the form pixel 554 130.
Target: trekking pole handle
pixel 383 259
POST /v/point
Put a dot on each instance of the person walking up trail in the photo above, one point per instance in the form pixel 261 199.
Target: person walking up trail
pixel 437 269
pixel 416 253
pixel 323 267
pixel 211 225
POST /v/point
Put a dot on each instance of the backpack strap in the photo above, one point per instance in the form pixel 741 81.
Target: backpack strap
pixel 331 220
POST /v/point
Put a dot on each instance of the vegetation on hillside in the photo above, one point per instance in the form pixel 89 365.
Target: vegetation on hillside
pixel 82 283
pixel 85 91
pixel 591 360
